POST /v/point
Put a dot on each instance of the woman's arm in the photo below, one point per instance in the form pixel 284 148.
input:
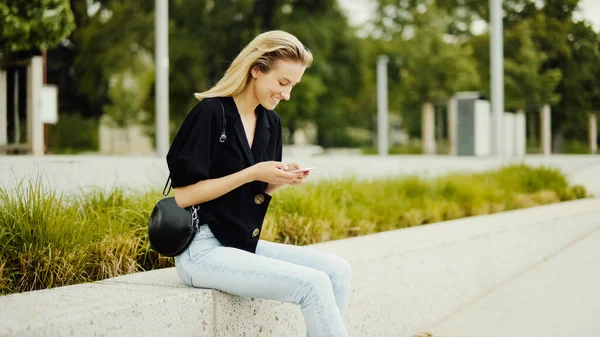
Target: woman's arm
pixel 206 190
pixel 209 189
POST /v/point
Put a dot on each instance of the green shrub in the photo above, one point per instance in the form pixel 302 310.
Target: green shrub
pixel 575 147
pixel 73 134
pixel 49 240
pixel 570 146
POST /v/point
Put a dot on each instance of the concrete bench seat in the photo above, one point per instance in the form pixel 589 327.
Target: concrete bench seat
pixel 404 281
pixel 154 303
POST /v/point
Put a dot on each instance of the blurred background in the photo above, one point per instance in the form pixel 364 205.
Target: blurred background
pixel 98 64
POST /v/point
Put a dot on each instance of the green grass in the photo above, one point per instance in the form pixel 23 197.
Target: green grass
pixel 49 240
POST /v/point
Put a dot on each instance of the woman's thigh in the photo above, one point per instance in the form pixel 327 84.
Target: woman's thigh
pixel 211 265
pixel 331 264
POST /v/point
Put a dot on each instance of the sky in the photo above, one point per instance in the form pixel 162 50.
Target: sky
pixel 358 11
pixel 591 12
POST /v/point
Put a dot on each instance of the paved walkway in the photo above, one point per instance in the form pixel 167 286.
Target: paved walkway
pixel 557 298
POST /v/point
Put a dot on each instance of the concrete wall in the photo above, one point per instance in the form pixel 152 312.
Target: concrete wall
pixel 509 135
pixel 520 133
pixel 124 141
pixel 514 139
pixel 405 281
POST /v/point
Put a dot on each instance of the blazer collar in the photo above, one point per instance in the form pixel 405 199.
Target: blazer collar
pixel 262 132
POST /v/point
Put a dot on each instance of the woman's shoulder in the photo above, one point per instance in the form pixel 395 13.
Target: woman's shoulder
pixel 207 105
pixel 205 110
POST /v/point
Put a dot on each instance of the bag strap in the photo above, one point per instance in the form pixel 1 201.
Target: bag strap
pixel 222 139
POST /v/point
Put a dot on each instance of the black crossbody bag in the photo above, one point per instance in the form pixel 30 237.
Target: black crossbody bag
pixel 172 228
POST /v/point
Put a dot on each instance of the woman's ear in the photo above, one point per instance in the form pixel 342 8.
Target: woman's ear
pixel 255 71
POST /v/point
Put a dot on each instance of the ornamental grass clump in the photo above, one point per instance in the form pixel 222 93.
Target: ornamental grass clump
pixel 50 240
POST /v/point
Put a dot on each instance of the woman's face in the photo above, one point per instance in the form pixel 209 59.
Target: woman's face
pixel 277 84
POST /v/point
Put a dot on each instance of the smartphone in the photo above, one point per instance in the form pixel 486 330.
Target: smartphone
pixel 302 170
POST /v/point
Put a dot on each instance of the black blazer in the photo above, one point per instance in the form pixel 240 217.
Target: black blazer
pixel 196 154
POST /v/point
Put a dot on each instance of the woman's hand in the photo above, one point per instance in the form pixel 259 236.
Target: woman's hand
pixel 273 172
pixel 303 175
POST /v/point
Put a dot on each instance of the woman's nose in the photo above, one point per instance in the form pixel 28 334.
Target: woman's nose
pixel 285 95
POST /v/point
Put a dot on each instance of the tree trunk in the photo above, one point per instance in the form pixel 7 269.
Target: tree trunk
pixel 558 140
pixel 593 134
pixel 428 128
pixel 439 126
pixel 532 128
pixel 17 117
pixel 127 139
pixel 3 109
pixel 520 133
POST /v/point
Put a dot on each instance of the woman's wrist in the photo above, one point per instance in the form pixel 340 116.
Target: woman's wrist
pixel 271 188
pixel 248 174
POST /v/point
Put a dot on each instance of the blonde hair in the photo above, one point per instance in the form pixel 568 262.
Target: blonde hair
pixel 261 52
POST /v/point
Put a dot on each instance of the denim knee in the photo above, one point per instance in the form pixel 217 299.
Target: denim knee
pixel 342 271
pixel 317 284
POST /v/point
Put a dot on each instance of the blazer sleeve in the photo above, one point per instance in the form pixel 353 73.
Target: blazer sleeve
pixel 190 155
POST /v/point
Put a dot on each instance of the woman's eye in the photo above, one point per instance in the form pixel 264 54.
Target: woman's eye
pixel 281 83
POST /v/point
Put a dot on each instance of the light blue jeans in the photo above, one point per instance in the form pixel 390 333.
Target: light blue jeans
pixel 318 281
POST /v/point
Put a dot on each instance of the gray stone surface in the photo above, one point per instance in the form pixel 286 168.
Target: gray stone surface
pixel 256 317
pixel 410 279
pixel 241 316
pixel 166 277
pixel 559 296
pixel 104 309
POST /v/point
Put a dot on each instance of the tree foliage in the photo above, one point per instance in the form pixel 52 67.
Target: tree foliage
pixel 433 68
pixel 433 49
pixel 28 26
pixel 526 83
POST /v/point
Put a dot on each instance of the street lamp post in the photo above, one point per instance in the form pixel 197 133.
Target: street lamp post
pixel 382 106
pixel 162 76
pixel 497 74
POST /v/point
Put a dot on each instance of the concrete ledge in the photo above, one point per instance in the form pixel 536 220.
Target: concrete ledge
pixel 229 313
pixel 107 309
pixel 405 281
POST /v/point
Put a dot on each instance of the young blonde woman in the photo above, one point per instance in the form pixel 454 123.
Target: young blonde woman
pixel 232 176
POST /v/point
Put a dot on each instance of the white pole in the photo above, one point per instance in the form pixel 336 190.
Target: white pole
pixel 593 133
pixel 35 125
pixel 382 106
pixel 428 128
pixel 497 74
pixel 546 129
pixel 162 76
pixel 453 125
